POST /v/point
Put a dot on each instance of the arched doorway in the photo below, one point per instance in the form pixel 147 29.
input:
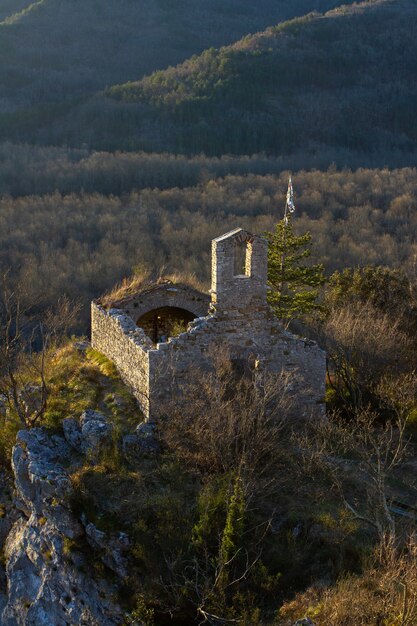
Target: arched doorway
pixel 164 322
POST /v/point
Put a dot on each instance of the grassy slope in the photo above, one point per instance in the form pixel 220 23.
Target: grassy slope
pixel 345 80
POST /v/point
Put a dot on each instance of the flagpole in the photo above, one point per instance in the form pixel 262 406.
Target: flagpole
pixel 289 199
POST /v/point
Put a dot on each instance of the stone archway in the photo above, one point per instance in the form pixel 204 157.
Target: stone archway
pixel 164 322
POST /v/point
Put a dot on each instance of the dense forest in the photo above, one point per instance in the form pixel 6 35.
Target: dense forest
pixel 80 242
pixel 72 49
pixel 318 83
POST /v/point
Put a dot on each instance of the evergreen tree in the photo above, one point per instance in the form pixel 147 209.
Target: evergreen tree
pixel 293 283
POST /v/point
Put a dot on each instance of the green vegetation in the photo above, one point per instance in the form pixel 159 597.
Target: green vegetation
pixel 369 335
pixel 76 381
pixel 294 284
pixel 236 521
pixel 211 519
pixel 116 161
pixel 55 53
pixel 304 87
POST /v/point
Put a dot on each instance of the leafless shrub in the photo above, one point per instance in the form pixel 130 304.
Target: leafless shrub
pixel 360 457
pixel 363 345
pixel 226 419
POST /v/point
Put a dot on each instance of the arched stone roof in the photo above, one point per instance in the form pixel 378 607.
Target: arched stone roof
pixel 167 294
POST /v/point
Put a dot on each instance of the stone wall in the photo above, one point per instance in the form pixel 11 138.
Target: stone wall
pixel 246 335
pixel 241 323
pixel 155 374
pixel 116 335
pixel 229 290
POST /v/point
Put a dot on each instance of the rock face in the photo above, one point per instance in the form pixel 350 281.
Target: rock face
pixel 111 548
pixel 90 433
pixel 48 580
pixel 8 516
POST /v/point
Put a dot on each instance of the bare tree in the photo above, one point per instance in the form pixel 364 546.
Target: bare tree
pixel 25 341
pixel 361 457
pixel 230 417
pixel 363 345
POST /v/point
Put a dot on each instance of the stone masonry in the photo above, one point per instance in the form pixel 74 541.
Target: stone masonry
pixel 239 321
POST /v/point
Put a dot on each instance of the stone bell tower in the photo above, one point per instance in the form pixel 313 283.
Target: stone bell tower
pixel 239 269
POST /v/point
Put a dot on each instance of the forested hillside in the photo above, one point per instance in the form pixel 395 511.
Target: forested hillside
pixel 336 88
pixel 55 52
pixel 11 7
pixel 80 244
pixel 343 83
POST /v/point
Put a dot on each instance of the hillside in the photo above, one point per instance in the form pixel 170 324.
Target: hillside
pixel 342 82
pixel 11 7
pixel 230 504
pixel 57 50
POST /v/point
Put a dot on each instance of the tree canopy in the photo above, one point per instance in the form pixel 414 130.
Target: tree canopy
pixel 294 284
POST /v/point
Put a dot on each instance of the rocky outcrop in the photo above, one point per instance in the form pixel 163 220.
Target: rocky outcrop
pixel 90 433
pixel 49 581
pixel 111 548
pixel 142 442
pixel 8 516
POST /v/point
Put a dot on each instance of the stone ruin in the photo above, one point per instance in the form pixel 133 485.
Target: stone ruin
pixel 135 332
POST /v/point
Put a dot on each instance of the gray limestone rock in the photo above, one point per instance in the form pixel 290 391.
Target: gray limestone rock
pixel 81 346
pixel 146 431
pixel 72 432
pixel 142 442
pixel 90 433
pixel 43 486
pixel 112 548
pixel 46 586
pixel 96 431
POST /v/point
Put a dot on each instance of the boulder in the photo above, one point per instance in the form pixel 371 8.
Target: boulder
pixel 111 548
pixel 81 346
pixel 96 431
pixel 90 433
pixel 72 432
pixel 44 587
pixel 142 443
pixel 43 487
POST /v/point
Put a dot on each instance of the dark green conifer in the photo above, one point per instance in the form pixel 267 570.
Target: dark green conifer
pixel 294 284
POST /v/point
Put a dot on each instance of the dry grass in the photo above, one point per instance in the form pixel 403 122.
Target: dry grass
pixel 144 280
pixel 186 278
pixel 385 594
pixel 128 286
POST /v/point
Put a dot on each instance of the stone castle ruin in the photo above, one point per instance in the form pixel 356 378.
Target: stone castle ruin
pixel 136 332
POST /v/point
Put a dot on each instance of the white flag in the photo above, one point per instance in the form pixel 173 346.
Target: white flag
pixel 290 197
